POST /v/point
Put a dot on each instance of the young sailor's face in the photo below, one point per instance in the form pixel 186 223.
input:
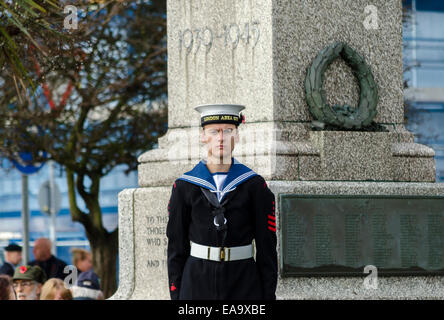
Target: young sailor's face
pixel 220 139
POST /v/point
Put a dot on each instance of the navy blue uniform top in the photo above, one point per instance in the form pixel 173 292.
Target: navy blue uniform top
pixel 250 214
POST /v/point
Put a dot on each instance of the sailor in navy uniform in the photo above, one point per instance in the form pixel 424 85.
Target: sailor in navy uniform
pixel 215 212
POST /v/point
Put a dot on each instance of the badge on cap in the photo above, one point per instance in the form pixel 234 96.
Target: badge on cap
pixel 221 113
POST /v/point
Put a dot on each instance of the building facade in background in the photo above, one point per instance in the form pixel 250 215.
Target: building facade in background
pixel 424 64
pixel 69 234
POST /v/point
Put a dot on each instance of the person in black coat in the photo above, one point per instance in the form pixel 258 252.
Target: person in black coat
pixel 52 266
pixel 215 212
pixel 13 256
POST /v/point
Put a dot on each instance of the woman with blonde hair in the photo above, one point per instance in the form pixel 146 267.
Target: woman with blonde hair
pixel 81 259
pixel 54 289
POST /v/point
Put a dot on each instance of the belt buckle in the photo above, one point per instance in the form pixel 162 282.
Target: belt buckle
pixel 222 254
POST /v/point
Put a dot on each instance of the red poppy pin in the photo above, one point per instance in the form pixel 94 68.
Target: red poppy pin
pixel 23 269
pixel 173 287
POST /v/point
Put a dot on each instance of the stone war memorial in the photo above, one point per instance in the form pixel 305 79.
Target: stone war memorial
pixel 359 214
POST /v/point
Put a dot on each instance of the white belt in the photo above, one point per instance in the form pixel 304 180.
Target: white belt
pixel 221 254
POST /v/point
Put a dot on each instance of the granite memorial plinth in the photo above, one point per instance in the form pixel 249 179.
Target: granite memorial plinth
pixel 256 53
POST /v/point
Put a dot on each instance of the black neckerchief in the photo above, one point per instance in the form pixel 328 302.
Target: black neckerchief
pixel 218 211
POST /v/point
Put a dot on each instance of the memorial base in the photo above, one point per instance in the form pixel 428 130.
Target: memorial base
pixel 142 223
pixel 354 287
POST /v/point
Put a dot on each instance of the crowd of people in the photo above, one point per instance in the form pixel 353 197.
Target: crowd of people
pixel 44 277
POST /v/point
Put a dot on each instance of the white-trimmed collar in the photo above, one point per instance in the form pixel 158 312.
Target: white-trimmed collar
pixel 201 176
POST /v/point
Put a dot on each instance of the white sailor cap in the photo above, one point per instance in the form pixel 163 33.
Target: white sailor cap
pixel 221 113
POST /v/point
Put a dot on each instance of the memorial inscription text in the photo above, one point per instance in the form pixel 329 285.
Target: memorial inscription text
pixel 340 235
pixel 193 40
pixel 157 240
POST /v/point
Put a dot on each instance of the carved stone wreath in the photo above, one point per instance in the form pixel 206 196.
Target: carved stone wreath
pixel 344 116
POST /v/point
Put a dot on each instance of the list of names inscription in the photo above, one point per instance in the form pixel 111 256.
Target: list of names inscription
pixel 340 235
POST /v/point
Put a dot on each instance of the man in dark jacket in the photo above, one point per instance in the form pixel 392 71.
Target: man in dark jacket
pixel 52 266
pixel 13 256
pixel 215 212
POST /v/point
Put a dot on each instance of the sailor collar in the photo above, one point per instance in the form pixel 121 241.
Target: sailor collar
pixel 201 176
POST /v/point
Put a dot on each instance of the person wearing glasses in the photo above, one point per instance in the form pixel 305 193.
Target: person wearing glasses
pixel 27 282
pixel 216 210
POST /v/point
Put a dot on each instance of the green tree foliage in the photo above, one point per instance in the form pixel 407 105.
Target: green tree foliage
pixel 23 24
pixel 107 87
